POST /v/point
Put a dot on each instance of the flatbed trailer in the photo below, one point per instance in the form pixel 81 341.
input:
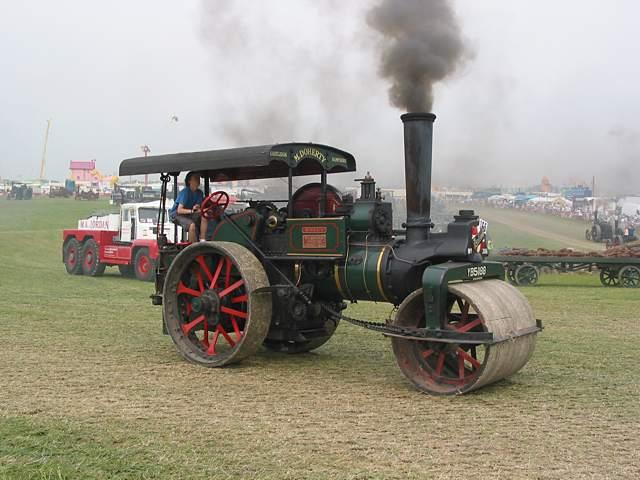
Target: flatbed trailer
pixel 524 270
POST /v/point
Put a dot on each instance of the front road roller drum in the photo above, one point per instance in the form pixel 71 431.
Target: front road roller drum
pixel 212 311
pixel 450 368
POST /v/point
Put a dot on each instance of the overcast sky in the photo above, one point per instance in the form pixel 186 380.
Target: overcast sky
pixel 552 89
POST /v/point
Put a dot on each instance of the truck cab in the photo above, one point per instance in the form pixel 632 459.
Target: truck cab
pixel 139 221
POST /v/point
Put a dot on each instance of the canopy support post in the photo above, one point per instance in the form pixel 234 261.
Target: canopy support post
pixel 290 203
pixel 175 197
pixel 160 236
pixel 323 197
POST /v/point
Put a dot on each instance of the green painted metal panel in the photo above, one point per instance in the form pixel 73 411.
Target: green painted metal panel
pixel 318 237
pixel 359 278
pixel 247 222
pixel 436 280
pixel 328 158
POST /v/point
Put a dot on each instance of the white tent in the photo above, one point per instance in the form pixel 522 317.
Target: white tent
pixel 630 206
pixel 540 200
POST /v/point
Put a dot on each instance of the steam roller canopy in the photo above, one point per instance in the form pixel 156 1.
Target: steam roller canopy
pixel 448 368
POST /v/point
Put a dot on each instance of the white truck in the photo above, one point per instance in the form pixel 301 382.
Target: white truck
pixel 127 240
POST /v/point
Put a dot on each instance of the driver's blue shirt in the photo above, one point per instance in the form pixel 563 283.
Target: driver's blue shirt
pixel 188 199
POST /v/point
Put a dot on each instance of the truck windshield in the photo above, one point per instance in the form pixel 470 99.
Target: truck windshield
pixel 148 215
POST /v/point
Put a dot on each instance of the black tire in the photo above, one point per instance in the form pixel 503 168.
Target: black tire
pixel 596 233
pixel 126 271
pixel 587 234
pixel 302 346
pixel 143 266
pixel 72 257
pixel 91 265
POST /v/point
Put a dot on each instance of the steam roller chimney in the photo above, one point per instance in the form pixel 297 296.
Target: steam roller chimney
pixel 418 142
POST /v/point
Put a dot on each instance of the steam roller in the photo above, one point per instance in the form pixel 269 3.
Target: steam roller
pixel 279 274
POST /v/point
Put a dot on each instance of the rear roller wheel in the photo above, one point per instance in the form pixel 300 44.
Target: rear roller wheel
pixel 629 277
pixel 71 255
pixel 526 275
pixel 211 308
pixel 609 278
pixel 448 368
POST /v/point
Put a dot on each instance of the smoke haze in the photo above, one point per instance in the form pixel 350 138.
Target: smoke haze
pixel 543 96
pixel 422 45
pixel 284 84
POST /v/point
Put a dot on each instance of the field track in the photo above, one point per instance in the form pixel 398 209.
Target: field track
pixel 539 229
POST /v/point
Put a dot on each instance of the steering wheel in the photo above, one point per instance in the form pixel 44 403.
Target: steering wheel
pixel 214 205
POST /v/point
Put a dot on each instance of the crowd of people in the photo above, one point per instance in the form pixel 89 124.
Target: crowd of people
pixel 581 209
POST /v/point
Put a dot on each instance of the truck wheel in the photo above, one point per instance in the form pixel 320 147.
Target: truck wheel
pixel 71 255
pixel 587 234
pixel 91 259
pixel 126 271
pixel 144 267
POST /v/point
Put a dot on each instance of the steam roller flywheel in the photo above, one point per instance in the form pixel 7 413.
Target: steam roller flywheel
pixel 450 368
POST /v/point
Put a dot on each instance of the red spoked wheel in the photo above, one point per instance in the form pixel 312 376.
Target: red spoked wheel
pixel 211 308
pixel 453 368
pixel 143 265
pixel 214 205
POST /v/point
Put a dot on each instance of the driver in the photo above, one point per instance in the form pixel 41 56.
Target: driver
pixel 186 209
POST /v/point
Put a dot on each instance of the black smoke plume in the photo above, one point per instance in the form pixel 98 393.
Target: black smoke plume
pixel 422 44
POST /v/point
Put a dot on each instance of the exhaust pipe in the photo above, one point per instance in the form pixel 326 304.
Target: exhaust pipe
pixel 418 142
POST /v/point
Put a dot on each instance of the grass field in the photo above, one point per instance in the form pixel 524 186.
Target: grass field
pixel 90 388
pixel 514 228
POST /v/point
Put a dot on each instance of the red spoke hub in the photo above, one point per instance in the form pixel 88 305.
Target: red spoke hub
pixel 451 364
pixel 214 304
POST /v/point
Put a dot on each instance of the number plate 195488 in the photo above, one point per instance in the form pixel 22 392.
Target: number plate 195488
pixel 477 272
